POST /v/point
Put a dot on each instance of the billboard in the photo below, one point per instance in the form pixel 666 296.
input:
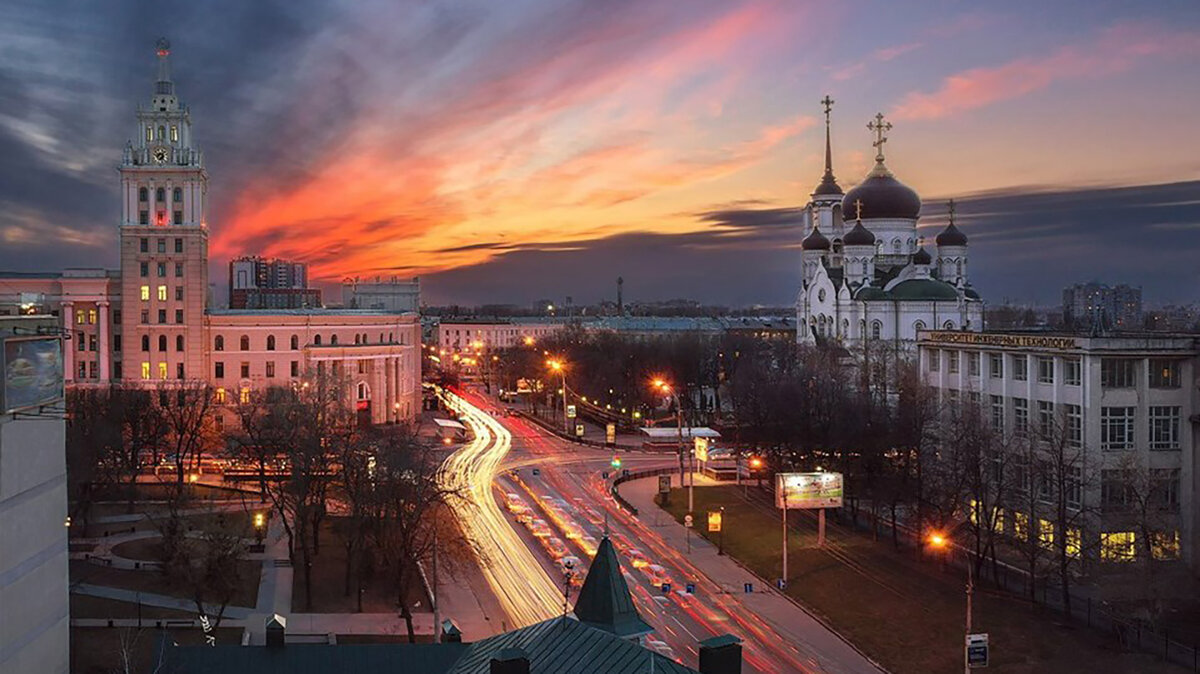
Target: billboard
pixel 714 520
pixel 808 490
pixel 701 449
pixel 33 373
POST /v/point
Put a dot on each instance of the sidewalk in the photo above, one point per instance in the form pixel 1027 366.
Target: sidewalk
pixel 158 600
pixel 831 652
pixel 274 584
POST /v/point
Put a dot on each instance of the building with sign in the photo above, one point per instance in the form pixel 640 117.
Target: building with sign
pixel 866 274
pixel 33 499
pixel 1128 405
pixel 151 321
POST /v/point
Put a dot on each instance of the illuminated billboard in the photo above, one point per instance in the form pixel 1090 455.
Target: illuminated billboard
pixel 33 373
pixel 808 490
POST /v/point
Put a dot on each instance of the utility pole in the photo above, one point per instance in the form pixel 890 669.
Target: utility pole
pixel 437 605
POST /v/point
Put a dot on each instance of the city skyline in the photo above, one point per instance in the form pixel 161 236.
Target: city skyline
pixel 643 143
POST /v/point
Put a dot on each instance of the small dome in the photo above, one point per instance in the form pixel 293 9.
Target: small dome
pixel 951 236
pixel 815 241
pixel 859 236
pixel 921 257
pixel 828 186
pixel 883 196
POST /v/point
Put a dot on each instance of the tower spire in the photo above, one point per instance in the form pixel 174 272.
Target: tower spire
pixel 828 182
pixel 164 86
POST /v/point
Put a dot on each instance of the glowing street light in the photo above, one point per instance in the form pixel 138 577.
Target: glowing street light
pixel 560 367
pixel 941 541
pixel 665 387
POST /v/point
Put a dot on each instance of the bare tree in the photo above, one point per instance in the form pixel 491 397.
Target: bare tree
pixel 187 410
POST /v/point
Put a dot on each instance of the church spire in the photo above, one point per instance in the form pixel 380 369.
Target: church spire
pixel 828 182
pixel 604 601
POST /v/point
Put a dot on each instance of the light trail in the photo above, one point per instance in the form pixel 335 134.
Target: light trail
pixel 524 590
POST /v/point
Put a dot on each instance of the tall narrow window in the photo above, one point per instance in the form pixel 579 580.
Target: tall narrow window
pixel 145 342
pixel 149 133
pixel 160 194
pixel 295 342
pixel 219 343
pixel 162 132
pixel 244 343
pixel 162 293
pixel 162 342
pixel 177 194
pixel 143 194
pixel 174 134
pixel 179 342
pixel 270 342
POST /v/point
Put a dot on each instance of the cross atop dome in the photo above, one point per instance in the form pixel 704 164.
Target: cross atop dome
pixel 880 127
pixel 828 184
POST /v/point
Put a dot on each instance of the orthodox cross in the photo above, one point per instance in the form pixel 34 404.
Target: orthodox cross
pixel 858 209
pixel 950 210
pixel 880 127
pixel 827 102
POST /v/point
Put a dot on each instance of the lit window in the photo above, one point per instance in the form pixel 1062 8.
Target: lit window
pixel 145 293
pixel 149 133
pixel 1164 545
pixel 92 316
pixel 1020 525
pixel 244 395
pixel 145 370
pixel 1117 546
pixel 1074 543
pixel 174 134
pixel 220 395
pixel 80 317
pixel 162 293
pixel 1164 374
pixel 998 521
pixel 162 370
pixel 1046 534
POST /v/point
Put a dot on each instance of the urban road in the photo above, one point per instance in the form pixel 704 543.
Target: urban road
pixel 528 500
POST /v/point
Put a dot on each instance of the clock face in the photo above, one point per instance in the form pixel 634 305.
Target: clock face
pixel 160 154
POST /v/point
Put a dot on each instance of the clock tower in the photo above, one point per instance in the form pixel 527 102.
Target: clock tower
pixel 164 240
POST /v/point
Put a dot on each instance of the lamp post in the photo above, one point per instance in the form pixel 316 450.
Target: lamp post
pixel 940 542
pixel 666 388
pixel 561 368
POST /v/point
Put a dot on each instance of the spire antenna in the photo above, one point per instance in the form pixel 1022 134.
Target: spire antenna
pixel 827 104
pixel 950 210
pixel 162 48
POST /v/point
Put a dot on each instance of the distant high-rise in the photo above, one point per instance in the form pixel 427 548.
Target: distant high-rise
pixel 1097 306
pixel 260 283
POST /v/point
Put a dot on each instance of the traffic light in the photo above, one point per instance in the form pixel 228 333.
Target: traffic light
pixel 616 461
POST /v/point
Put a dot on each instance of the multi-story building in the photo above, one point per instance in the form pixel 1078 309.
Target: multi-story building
pixel 1097 306
pixel 393 294
pixel 33 499
pixel 1126 405
pixel 466 335
pixel 150 322
pixel 261 283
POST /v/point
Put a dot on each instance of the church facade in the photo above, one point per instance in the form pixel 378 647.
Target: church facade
pixel 150 322
pixel 866 275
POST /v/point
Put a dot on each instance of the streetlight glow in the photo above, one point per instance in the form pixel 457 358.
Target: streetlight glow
pixel 937 539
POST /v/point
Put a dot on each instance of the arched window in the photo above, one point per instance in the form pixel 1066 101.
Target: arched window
pixel 219 343
pixel 363 392
pixel 317 340
pixel 295 342
pixel 845 327
pixel 876 329
pixel 390 338
pixel 864 267
pixel 145 342
pixel 143 194
pixel 162 342
pixel 160 194
pixel 270 342
pixel 244 343
pixel 357 339
pixel 381 338
pixel 162 132
pixel 895 245
pixel 332 340
pixel 959 264
pixel 179 342
pixel 177 194
pixel 948 325
pixel 862 328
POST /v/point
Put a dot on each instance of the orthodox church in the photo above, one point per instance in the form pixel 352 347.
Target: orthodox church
pixel 866 273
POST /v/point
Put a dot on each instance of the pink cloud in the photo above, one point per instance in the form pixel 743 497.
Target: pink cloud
pixel 1115 50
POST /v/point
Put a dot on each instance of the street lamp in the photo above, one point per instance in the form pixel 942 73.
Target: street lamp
pixel 666 388
pixel 561 368
pixel 939 541
pixel 259 523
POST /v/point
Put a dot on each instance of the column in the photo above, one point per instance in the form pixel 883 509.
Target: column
pixel 105 352
pixel 68 316
pixel 391 389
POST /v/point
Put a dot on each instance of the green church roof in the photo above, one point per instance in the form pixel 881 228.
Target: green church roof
pixel 923 289
pixel 604 601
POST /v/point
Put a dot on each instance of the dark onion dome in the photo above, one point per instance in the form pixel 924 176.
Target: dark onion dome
pixel 859 236
pixel 882 196
pixel 828 186
pixel 921 257
pixel 923 289
pixel 815 241
pixel 867 293
pixel 951 236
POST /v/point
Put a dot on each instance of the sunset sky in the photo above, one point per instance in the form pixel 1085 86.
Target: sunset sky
pixel 526 149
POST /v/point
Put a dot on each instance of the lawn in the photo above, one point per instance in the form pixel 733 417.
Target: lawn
pixel 83 606
pixel 156 583
pixel 907 615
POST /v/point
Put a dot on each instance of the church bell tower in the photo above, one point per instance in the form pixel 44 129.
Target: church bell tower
pixel 164 240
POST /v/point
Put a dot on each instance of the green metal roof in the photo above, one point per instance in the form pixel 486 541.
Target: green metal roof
pixel 604 601
pixel 923 289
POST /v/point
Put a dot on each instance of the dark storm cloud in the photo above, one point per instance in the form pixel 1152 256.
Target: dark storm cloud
pixel 1025 247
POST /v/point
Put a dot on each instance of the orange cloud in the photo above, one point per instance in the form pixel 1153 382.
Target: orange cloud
pixel 1115 50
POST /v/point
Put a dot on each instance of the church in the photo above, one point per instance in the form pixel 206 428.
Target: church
pixel 867 277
